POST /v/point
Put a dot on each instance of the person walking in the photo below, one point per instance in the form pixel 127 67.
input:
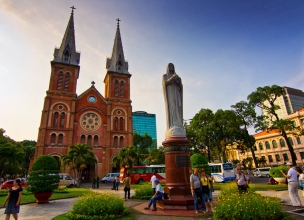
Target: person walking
pixel 242 181
pixel 158 195
pixel 127 183
pixel 93 182
pixel 292 180
pixel 13 198
pixel 153 178
pixel 117 183
pixel 196 190
pixel 207 188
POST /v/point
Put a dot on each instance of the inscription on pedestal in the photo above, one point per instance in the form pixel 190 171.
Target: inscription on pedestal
pixel 182 161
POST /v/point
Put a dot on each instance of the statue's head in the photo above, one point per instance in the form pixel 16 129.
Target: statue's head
pixel 170 68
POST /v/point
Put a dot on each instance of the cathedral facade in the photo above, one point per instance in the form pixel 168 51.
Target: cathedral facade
pixel 103 122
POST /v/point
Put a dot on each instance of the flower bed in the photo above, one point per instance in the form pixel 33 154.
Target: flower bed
pixel 97 206
pixel 249 206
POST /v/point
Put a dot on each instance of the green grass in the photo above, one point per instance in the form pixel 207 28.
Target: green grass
pixel 256 187
pixel 29 197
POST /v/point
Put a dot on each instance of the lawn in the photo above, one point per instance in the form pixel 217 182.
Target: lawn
pixel 256 187
pixel 63 217
pixel 29 197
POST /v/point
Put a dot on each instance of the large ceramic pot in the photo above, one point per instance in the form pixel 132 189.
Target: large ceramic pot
pixel 280 180
pixel 43 197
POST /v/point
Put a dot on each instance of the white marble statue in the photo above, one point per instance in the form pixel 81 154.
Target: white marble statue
pixel 173 95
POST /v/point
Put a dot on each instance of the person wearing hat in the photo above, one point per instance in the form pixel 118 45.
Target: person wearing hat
pixel 292 179
pixel 158 195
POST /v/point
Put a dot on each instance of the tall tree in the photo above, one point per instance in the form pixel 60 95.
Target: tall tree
pixel 78 157
pixel 29 149
pixel 200 131
pixel 156 156
pixel 265 98
pixel 248 117
pixel 11 155
pixel 143 142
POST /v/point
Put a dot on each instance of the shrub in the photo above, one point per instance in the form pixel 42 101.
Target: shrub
pixel 275 172
pixel 44 176
pixel 143 191
pixel 249 206
pixel 97 206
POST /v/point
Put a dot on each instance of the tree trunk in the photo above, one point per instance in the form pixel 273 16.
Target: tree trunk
pixel 252 150
pixel 290 148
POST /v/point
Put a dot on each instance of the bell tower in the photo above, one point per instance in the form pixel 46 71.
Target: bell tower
pixel 57 119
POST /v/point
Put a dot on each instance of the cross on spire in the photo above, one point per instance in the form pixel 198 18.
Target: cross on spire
pixel 72 9
pixel 92 83
pixel 118 21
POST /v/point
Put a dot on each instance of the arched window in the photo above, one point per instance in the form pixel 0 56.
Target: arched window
pixel 121 123
pixel 53 139
pixel 116 88
pixel 82 139
pixel 55 121
pixel 267 145
pixel 60 139
pixel 115 141
pixel 299 140
pixel 121 141
pixel 285 157
pixel 116 123
pixel 282 143
pixel 67 81
pixel 274 144
pixel 96 140
pixel 89 140
pixel 277 156
pixel 59 84
pixel 270 158
pixel 122 89
pixel 290 141
pixel 261 146
pixel 62 116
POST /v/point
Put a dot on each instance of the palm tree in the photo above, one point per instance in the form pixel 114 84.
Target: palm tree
pixel 78 157
pixel 128 156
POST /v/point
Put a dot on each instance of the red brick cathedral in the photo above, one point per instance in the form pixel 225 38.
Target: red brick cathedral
pixel 104 122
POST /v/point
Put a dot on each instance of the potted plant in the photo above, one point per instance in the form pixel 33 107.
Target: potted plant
pixel 275 172
pixel 44 178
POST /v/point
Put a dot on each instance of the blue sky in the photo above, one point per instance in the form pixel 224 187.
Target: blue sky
pixel 223 50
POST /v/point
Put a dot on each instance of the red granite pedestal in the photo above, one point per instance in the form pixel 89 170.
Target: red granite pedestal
pixel 178 167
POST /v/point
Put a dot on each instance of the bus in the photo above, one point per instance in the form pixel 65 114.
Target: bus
pixel 222 172
pixel 141 174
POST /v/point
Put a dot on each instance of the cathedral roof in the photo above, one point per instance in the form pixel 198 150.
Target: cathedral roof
pixel 67 51
pixel 117 62
pixel 89 89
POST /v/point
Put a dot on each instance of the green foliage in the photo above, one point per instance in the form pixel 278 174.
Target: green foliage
pixel 156 156
pixel 143 142
pixel 198 160
pixel 143 191
pixel 97 206
pixel 249 206
pixel 44 176
pixel 275 172
pixel 128 156
pixel 11 155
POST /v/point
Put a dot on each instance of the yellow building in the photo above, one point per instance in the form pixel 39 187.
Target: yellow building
pixel 271 145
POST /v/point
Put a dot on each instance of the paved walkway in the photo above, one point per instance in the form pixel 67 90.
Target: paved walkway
pixel 48 211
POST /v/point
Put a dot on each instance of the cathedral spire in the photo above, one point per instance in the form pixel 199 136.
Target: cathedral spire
pixel 117 62
pixel 67 51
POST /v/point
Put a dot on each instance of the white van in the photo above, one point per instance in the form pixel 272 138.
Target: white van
pixel 263 171
pixel 110 177
pixel 66 180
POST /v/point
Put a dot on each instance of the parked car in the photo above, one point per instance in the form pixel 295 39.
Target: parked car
pixel 66 180
pixel 10 184
pixel 109 177
pixel 263 171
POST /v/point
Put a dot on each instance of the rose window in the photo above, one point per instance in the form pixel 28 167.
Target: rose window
pixel 90 121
